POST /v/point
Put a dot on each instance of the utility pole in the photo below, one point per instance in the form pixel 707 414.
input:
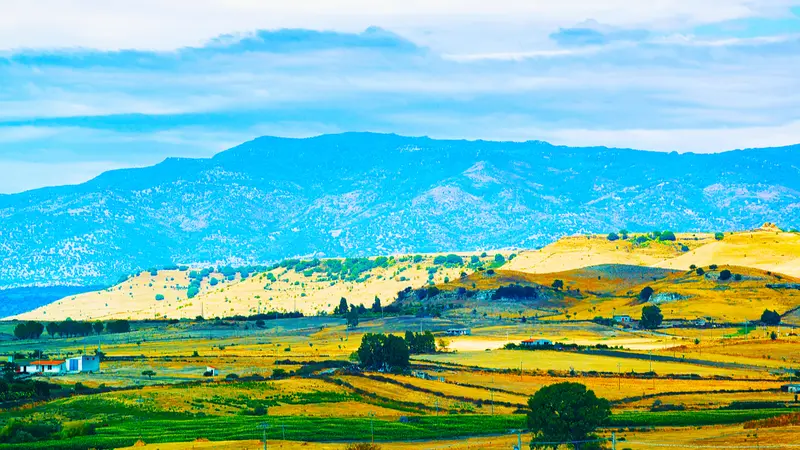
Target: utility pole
pixel 263 427
pixel 372 426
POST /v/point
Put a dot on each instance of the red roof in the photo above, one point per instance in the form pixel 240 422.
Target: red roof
pixel 45 363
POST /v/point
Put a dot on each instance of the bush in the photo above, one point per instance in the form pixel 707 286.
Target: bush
pixel 159 297
pixel 612 237
pixel 667 236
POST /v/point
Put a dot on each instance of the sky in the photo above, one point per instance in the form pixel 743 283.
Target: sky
pixel 92 85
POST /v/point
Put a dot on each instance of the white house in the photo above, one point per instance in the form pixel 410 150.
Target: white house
pixel 48 367
pixel 623 319
pixel 536 342
pixel 459 332
pixel 793 388
pixel 83 363
pixel 212 371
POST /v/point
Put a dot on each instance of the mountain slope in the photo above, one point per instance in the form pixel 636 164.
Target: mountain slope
pixel 359 194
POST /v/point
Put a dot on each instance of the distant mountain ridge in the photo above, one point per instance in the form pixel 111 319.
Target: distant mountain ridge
pixel 357 194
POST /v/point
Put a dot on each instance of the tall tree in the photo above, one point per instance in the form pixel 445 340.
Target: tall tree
pixel 565 412
pixel 651 317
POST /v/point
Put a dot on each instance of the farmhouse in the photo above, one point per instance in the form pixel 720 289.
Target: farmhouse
pixel 459 332
pixel 793 388
pixel 46 366
pixel 211 371
pixel 537 343
pixel 83 363
pixel 623 319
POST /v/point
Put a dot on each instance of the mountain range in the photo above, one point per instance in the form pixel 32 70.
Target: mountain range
pixel 357 194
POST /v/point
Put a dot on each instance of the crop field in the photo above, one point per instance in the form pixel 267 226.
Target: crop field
pixel 545 360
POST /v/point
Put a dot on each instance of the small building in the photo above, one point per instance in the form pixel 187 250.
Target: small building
pixel 792 388
pixel 623 318
pixel 47 366
pixel 459 332
pixel 83 363
pixel 701 322
pixel 537 343
pixel 212 371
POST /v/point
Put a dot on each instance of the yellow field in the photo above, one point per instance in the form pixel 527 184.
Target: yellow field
pixel 564 361
pixel 613 388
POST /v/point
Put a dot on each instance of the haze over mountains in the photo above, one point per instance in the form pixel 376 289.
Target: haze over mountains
pixel 358 194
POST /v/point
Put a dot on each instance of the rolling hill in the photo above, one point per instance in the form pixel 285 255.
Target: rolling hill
pixel 361 194
pixel 600 277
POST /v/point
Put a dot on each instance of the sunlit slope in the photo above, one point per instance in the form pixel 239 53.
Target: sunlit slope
pixel 280 289
pixel 575 252
pixel 768 250
pixel 689 295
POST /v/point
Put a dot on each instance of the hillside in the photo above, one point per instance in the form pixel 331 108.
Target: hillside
pixel 278 289
pixel 599 277
pixel 361 194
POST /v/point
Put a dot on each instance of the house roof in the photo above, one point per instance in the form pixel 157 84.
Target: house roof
pixel 536 340
pixel 46 362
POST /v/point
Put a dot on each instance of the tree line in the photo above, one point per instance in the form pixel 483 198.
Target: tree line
pixel 69 328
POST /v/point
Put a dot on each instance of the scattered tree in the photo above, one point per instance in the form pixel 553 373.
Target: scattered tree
pixel 352 318
pixel 725 275
pixel 342 309
pixel 770 317
pixel 667 236
pixel 565 412
pixel 651 317
pixel 645 294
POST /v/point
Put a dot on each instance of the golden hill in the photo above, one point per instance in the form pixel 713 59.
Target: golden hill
pixel 136 298
pixel 607 273
pixel 575 252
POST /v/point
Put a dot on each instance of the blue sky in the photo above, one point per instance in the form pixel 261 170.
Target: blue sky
pixel 90 86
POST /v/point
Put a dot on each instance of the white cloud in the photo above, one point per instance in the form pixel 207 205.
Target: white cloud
pixel 156 24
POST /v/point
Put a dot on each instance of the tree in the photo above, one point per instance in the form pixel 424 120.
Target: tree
pixel 98 327
pixel 700 271
pixel 770 317
pixel 565 412
pixel 148 373
pixel 558 284
pixel 612 236
pixel 623 234
pixel 667 236
pixel 499 259
pixel 378 351
pixel 719 236
pixel 439 260
pixel 159 297
pixel 773 336
pixel 725 275
pixel 28 330
pixel 342 309
pixel 352 318
pixel 651 317
pixel 645 294
pixel 52 328
pixel 376 305
pixel 118 326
